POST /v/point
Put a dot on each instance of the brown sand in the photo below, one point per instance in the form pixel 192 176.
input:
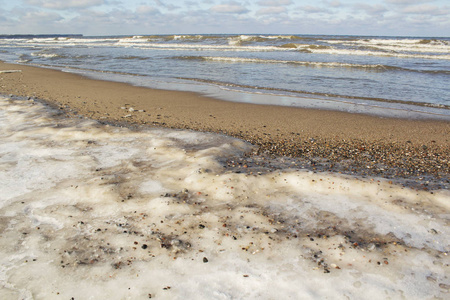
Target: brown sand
pixel 372 143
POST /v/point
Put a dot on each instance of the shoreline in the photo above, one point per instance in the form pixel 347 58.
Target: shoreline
pixel 416 150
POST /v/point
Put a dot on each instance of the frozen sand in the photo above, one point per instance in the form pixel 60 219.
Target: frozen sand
pixel 93 211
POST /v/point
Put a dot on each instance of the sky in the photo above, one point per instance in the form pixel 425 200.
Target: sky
pixel 139 17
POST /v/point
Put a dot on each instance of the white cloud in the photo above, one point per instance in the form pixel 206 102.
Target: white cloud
pixel 274 2
pixel 66 4
pixel 108 17
pixel 271 10
pixel 407 2
pixel 426 9
pixel 314 9
pixel 229 8
pixel 334 3
pixel 371 9
pixel 41 16
pixel 169 6
pixel 191 3
pixel 148 10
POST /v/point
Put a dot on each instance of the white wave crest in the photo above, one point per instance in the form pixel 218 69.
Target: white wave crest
pixel 378 53
pixel 404 45
pixel 274 61
pixel 45 55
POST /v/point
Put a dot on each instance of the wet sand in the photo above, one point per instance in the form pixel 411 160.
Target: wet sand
pixel 418 150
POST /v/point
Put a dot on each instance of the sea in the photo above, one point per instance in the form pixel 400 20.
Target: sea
pixel 387 76
pixel 90 210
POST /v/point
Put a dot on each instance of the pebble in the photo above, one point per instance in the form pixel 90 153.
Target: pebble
pixel 415 166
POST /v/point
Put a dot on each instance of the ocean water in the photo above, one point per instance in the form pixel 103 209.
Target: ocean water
pixel 93 211
pixel 390 76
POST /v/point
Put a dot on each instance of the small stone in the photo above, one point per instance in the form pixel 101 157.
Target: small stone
pixel 444 286
pixel 205 260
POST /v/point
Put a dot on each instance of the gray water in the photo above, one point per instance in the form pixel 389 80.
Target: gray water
pixel 380 75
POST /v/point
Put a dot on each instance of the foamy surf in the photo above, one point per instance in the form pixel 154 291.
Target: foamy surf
pixel 93 211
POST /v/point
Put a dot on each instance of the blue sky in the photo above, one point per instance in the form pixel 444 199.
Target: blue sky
pixel 113 17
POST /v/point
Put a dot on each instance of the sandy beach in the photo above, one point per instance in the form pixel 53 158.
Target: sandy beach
pixel 229 150
pixel 123 208
pixel 327 140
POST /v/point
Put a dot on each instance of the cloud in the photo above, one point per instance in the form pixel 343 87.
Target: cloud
pixel 274 2
pixel 407 2
pixel 31 21
pixel 147 10
pixel 191 3
pixel 426 9
pixel 271 10
pixel 314 9
pixel 67 4
pixel 40 17
pixel 171 6
pixel 371 9
pixel 107 17
pixel 334 3
pixel 229 8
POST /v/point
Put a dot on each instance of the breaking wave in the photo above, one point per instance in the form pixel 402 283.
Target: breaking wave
pixel 317 64
pixel 335 51
pixel 403 48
